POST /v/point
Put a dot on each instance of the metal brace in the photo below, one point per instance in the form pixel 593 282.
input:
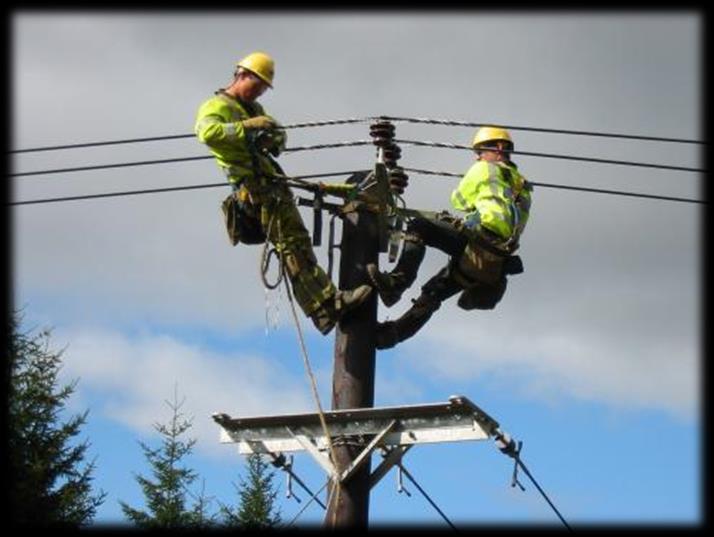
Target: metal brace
pixel 328 465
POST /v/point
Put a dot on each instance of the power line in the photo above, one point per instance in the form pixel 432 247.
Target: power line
pixel 108 142
pixel 551 155
pixel 106 166
pixel 176 136
pixel 332 174
pixel 354 143
pixel 390 118
pixel 158 190
pixel 117 194
pixel 172 160
pixel 548 130
pixel 423 492
pixel 576 188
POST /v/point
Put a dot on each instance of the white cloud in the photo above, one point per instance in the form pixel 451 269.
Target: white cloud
pixel 137 375
pixel 607 308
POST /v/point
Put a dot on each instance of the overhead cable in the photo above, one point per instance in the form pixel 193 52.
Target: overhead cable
pixel 106 166
pixel 508 446
pixel 568 187
pixel 332 174
pixel 355 143
pixel 171 160
pixel 391 118
pixel 159 190
pixel 176 136
pixel 550 155
pixel 549 130
pixel 423 492
pixel 108 142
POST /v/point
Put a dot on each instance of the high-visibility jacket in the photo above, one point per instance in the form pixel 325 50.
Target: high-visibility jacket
pixel 496 197
pixel 219 126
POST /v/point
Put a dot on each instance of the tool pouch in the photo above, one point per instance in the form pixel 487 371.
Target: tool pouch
pixel 241 222
pixel 513 265
pixel 480 265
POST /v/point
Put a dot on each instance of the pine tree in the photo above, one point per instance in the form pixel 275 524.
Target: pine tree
pixel 257 499
pixel 50 484
pixel 166 495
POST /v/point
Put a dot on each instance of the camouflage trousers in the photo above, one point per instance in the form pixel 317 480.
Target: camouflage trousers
pixel 274 204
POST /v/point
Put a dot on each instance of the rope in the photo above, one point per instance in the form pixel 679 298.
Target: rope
pixel 306 359
pixel 267 253
pixel 313 385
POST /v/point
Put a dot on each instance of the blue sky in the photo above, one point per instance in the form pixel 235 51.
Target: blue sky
pixel 593 357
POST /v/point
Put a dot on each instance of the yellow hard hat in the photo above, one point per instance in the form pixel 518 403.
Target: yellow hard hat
pixel 260 64
pixel 490 134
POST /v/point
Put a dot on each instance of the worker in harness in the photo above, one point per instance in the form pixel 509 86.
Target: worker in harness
pixel 244 140
pixel 496 199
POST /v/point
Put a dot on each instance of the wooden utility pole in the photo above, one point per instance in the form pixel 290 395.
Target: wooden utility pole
pixel 354 366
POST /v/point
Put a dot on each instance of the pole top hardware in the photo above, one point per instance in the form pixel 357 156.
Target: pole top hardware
pixel 457 419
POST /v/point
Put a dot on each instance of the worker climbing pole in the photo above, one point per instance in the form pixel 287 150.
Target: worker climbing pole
pixel 245 141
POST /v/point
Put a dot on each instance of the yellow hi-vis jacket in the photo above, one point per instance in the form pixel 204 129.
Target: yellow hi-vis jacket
pixel 496 197
pixel 219 126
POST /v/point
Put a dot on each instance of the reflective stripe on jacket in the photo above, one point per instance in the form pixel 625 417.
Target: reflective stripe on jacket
pixel 219 126
pixel 496 196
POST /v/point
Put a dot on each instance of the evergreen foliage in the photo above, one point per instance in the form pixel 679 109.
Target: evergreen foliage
pixel 50 484
pixel 257 499
pixel 166 495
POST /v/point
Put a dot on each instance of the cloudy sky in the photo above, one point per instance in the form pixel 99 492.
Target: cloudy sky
pixel 593 358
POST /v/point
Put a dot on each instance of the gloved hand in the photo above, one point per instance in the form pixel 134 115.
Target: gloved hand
pixel 472 220
pixel 278 142
pixel 272 141
pixel 259 122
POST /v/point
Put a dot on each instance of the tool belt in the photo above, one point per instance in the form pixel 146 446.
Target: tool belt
pixel 241 219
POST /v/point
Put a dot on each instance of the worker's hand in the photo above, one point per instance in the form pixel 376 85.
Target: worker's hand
pixel 271 141
pixel 278 140
pixel 472 220
pixel 259 122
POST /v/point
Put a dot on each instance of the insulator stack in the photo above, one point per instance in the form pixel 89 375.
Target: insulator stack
pixel 398 180
pixel 382 132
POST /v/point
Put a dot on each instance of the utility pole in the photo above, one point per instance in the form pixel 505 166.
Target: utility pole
pixel 364 236
pixel 354 366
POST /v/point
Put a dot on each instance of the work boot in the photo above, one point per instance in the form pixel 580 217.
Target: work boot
pixel 333 309
pixel 324 319
pixel 346 301
pixel 387 286
pixel 387 336
pixel 389 333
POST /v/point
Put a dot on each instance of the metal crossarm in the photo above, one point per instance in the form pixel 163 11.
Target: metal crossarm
pixel 391 428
